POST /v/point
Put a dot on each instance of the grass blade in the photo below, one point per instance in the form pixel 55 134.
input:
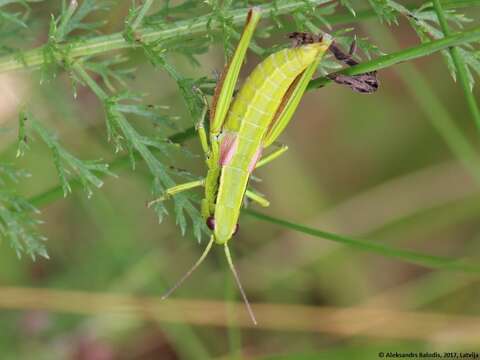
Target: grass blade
pixel 429 261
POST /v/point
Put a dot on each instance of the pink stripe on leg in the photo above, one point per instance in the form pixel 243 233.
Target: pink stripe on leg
pixel 255 158
pixel 228 146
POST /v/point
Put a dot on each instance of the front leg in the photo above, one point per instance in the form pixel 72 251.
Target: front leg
pixel 177 189
pixel 200 127
pixel 202 134
pixel 272 156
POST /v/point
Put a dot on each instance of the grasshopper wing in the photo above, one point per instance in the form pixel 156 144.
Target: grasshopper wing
pixel 293 96
pixel 226 85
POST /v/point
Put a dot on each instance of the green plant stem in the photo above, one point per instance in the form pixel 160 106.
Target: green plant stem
pixel 460 66
pixel 412 53
pixel 101 44
pixel 406 255
pixel 65 19
pixel 92 84
pixel 141 15
pixel 84 48
pixel 434 109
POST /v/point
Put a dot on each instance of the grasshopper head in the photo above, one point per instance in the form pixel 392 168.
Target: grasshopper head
pixel 223 234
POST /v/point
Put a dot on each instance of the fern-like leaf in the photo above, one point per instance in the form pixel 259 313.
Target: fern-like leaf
pixel 67 165
pixel 17 224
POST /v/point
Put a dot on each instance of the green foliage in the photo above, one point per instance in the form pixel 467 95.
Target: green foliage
pixel 426 24
pixel 145 133
pixel 12 19
pixel 125 137
pixel 17 225
pixel 112 76
pixel 162 30
pixel 74 19
pixel 13 23
pixel 134 19
pixel 386 10
pixel 67 165
pixel 348 4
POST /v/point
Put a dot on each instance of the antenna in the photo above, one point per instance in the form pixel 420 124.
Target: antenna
pixel 239 284
pixel 189 272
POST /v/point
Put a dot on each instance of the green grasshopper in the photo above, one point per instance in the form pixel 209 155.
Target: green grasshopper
pixel 240 133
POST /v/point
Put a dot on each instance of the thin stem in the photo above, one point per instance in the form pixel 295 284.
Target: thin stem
pixel 61 32
pixel 141 15
pixel 435 110
pixel 460 66
pixel 370 246
pixel 92 84
pixel 412 53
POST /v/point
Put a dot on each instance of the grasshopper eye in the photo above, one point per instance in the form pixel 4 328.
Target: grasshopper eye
pixel 236 229
pixel 211 223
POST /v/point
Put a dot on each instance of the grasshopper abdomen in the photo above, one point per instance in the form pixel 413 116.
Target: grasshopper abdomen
pixel 247 123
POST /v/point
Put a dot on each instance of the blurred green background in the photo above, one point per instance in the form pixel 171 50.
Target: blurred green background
pixel 369 166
